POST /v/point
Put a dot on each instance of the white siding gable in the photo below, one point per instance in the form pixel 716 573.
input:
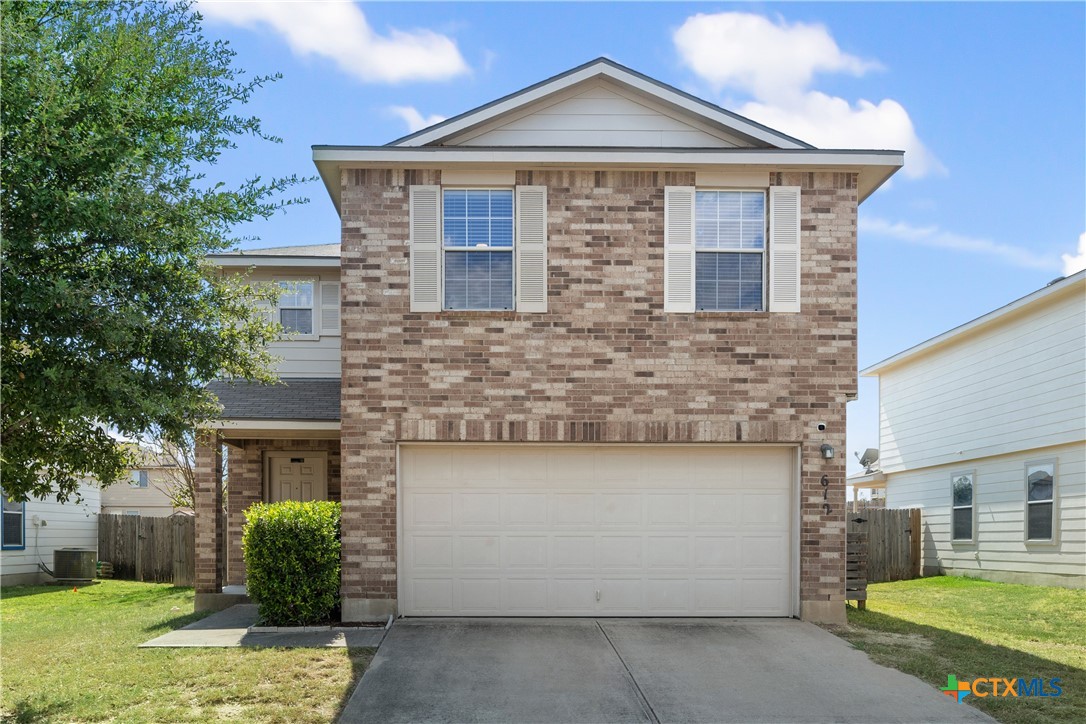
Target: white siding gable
pixel 601 114
pixel 1016 386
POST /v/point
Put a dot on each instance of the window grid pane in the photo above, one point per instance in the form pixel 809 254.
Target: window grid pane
pixel 477 218
pixel 963 490
pixel 729 220
pixel 478 280
pixel 296 321
pixel 728 281
pixel 1039 482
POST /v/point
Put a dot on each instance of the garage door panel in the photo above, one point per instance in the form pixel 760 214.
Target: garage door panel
pixel 570 551
pixel 524 552
pixel 618 509
pixel 619 551
pixel 573 509
pixel 716 509
pixel 478 551
pixel 668 509
pixel 478 509
pixel 524 509
pixel 667 551
pixel 480 596
pixel 597 530
pixel 426 551
pixel 430 467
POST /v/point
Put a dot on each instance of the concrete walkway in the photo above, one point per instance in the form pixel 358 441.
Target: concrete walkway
pixel 230 628
pixel 635 670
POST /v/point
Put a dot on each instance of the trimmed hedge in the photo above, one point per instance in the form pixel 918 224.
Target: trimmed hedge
pixel 292 561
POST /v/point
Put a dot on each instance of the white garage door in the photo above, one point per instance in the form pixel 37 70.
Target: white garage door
pixel 600 530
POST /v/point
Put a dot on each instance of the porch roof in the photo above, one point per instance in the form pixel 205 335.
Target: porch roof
pixel 302 398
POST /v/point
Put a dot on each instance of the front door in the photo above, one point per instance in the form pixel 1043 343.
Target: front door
pixel 297 476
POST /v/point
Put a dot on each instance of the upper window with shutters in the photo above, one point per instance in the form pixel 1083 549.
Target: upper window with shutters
pixel 308 307
pixel 478 249
pixel 731 250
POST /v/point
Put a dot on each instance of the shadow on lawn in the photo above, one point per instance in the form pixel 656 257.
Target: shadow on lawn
pixel 27 711
pixel 360 661
pixel 931 654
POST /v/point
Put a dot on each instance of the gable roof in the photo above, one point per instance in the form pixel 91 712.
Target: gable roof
pixel 305 255
pixel 754 133
pixel 1031 302
pixel 721 139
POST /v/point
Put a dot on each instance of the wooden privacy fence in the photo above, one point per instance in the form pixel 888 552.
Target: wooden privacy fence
pixel 162 550
pixel 888 541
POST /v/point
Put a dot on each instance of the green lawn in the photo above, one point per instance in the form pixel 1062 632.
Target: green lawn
pixel 933 627
pixel 72 656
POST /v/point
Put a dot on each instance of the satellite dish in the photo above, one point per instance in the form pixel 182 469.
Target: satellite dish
pixel 870 457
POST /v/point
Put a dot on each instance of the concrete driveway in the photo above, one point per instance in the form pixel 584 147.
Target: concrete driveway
pixel 635 670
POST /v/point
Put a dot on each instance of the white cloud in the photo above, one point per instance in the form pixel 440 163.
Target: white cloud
pixel 415 121
pixel 766 59
pixel 339 31
pixel 1073 263
pixel 775 63
pixel 933 236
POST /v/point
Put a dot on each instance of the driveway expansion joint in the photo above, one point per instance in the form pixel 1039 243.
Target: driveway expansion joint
pixel 629 675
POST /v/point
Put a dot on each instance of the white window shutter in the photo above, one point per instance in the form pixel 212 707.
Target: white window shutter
pixel 268 308
pixel 425 248
pixel 329 307
pixel 678 248
pixel 784 251
pixel 531 248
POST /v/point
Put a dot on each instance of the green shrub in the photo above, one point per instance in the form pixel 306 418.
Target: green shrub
pixel 292 561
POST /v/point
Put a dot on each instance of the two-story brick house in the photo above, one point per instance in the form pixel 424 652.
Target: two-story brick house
pixel 595 342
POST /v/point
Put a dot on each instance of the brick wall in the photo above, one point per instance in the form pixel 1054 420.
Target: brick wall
pixel 245 465
pixel 604 364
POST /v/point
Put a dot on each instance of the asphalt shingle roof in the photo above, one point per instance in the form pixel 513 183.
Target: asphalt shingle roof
pixel 293 399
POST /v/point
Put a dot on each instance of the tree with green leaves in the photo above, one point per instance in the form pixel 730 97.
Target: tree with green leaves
pixel 112 320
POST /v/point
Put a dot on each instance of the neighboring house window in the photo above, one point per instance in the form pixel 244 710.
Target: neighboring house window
pixel 477 246
pixel 13 524
pixel 139 479
pixel 131 512
pixel 962 507
pixel 729 244
pixel 296 307
pixel 1040 497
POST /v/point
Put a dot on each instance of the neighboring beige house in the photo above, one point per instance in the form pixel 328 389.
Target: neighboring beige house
pixel 984 427
pixel 31 531
pixel 584 350
pixel 145 493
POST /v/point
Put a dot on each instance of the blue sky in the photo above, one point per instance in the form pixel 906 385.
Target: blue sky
pixel 988 101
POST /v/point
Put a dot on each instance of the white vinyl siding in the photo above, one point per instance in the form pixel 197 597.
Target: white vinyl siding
pixel 601 114
pixel 315 355
pixel 150 500
pixel 585 530
pixel 1017 386
pixel 65 525
pixel 1001 551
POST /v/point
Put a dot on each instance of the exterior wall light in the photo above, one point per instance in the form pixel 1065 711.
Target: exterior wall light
pixel 827 451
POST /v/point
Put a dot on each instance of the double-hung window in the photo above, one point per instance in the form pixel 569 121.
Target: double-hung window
pixel 1040 501
pixel 13 524
pixel 296 307
pixel 729 244
pixel 139 479
pixel 961 508
pixel 477 246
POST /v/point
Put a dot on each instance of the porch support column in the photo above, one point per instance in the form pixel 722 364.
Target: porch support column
pixel 208 506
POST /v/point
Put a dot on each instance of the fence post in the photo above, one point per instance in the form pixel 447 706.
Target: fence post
pixel 916 551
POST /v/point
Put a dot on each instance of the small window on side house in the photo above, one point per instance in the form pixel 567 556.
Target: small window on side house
pixel 13 524
pixel 1040 501
pixel 296 307
pixel 961 513
pixel 729 245
pixel 139 479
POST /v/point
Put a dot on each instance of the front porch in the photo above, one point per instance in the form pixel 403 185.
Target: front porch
pixel 260 459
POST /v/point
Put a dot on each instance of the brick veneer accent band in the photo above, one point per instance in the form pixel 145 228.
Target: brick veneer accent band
pixel 245 464
pixel 604 364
